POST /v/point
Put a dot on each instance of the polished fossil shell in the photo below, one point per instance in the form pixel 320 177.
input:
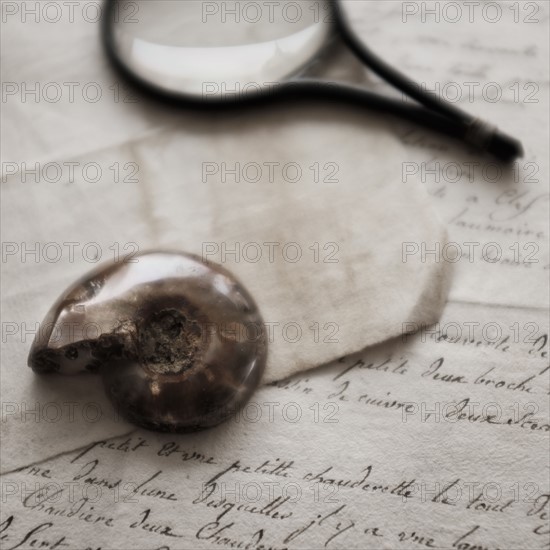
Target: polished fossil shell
pixel 180 343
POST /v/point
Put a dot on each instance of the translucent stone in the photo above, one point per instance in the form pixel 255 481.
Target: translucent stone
pixel 180 343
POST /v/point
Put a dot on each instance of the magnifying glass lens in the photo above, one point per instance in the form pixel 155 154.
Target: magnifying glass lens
pixel 216 48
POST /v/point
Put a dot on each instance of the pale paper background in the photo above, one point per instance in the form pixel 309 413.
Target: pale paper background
pixel 396 414
pixel 350 290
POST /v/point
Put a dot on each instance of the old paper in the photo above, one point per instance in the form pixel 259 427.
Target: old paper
pixel 492 62
pixel 322 256
pixel 437 440
pixel 299 203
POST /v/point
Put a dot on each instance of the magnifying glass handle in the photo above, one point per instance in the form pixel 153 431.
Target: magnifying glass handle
pixel 456 122
pixel 481 135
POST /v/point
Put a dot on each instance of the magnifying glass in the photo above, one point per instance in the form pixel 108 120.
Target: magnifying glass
pixel 213 53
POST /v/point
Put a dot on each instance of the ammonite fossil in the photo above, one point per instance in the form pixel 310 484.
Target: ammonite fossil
pixel 180 343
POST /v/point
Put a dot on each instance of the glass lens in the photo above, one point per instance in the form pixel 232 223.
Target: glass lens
pixel 218 48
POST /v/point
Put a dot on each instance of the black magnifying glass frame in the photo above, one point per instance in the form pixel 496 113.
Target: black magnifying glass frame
pixel 431 111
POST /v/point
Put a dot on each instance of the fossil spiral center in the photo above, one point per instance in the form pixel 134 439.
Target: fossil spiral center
pixel 169 342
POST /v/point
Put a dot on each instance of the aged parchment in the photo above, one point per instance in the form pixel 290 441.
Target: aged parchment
pixel 437 440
